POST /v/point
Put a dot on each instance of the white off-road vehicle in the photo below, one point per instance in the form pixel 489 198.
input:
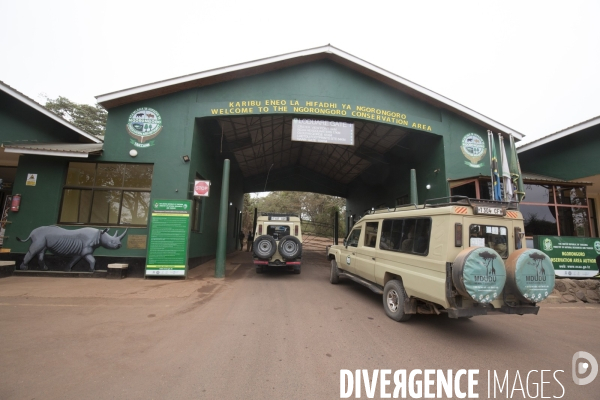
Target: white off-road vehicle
pixel 463 257
pixel 278 242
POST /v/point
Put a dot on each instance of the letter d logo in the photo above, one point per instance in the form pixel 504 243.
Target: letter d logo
pixel 583 367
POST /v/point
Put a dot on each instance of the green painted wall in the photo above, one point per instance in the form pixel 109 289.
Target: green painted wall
pixel 20 123
pixel 572 157
pixel 432 146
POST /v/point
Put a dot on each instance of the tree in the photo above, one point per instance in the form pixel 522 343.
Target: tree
pixel 316 210
pixel 91 119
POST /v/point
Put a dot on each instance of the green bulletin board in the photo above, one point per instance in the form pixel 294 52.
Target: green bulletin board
pixel 169 235
pixel 571 256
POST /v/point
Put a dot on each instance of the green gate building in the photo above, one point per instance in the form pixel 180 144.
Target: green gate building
pixel 163 136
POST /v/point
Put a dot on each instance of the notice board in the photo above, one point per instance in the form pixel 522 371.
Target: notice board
pixel 169 236
pixel 571 256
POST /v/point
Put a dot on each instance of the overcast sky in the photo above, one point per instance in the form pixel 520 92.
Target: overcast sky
pixel 531 65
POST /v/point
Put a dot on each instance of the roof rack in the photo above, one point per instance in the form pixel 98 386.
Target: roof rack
pixel 462 200
pixel 268 214
pixel 451 201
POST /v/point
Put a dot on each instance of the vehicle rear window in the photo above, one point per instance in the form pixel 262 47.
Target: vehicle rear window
pixel 406 235
pixel 494 237
pixel 278 231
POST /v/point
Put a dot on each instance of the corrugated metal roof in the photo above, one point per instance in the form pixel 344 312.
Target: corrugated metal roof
pixel 528 176
pixel 36 106
pixel 80 150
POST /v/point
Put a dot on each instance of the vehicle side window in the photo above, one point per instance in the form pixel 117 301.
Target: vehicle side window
pixel 371 234
pixel 353 238
pixel 422 233
pixel 407 235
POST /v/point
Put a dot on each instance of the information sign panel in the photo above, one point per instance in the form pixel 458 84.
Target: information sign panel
pixel 571 256
pixel 169 235
pixel 334 132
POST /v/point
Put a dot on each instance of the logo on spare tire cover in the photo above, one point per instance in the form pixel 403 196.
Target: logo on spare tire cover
pixel 484 275
pixel 534 275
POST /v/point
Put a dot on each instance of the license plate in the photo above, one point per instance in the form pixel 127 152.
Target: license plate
pixel 489 210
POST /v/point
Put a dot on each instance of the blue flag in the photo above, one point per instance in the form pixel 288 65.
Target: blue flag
pixel 496 192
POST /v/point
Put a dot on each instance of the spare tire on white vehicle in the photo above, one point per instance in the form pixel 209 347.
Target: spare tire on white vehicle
pixel 530 275
pixel 264 246
pixel 479 273
pixel 290 247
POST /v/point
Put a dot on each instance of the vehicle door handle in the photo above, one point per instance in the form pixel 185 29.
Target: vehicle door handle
pixel 373 258
pixel 353 254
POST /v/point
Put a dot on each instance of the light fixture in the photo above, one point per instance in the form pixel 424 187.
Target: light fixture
pixel 186 158
pixel 428 187
pixel 230 203
pixel 133 152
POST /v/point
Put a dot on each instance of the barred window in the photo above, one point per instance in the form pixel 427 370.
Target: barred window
pixel 106 194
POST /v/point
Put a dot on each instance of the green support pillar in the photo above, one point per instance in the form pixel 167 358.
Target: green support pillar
pixel 222 229
pixel 414 197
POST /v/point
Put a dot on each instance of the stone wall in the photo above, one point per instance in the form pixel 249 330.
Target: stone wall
pixel 575 290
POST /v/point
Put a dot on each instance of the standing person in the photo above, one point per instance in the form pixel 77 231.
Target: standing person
pixel 249 241
pixel 241 236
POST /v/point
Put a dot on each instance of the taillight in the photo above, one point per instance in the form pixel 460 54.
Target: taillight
pixel 458 235
pixel 296 230
pixel 260 229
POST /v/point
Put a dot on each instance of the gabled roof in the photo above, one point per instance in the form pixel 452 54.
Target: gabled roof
pixel 329 52
pixel 31 103
pixel 560 134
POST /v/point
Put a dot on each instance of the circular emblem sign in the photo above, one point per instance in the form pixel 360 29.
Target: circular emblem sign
pixel 144 124
pixel 473 148
pixel 597 247
pixel 201 188
pixel 548 244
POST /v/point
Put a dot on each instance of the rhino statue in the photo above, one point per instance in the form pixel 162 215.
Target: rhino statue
pixel 78 243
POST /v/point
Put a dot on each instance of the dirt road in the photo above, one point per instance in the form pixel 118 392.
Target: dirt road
pixel 251 336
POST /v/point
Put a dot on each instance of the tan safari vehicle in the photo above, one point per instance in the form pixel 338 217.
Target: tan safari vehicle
pixel 458 256
pixel 278 242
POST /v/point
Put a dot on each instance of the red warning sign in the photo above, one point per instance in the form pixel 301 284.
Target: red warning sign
pixel 201 188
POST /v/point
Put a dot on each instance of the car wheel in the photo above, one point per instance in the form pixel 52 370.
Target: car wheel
pixel 290 247
pixel 394 296
pixel 264 247
pixel 334 276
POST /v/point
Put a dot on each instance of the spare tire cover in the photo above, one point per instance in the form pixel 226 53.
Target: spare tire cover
pixel 479 273
pixel 264 246
pixel 290 247
pixel 530 275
